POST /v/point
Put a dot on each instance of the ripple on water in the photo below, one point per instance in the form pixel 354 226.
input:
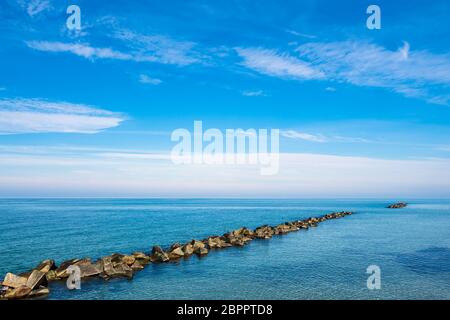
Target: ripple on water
pixel 431 260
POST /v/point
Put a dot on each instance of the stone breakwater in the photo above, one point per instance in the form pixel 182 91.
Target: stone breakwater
pixel 34 283
pixel 398 205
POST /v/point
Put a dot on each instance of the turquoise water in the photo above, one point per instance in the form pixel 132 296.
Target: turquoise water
pixel 411 246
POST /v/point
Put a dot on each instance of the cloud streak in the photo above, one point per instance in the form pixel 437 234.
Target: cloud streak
pixel 256 93
pixel 22 115
pixel 158 48
pixel 273 63
pixel 367 64
pixel 143 78
pixel 82 50
pixel 139 48
pixel 35 7
pixel 416 74
pixel 292 134
pixel 320 138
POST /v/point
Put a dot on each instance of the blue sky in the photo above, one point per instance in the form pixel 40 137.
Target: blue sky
pixel 90 112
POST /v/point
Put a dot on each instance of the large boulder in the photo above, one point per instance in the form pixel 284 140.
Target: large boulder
pixel 174 246
pixel 188 249
pixel 89 269
pixel 285 228
pixel 13 281
pixel 199 248
pixel 129 260
pixel 243 232
pixel 46 265
pixel 176 253
pixel 17 293
pixel 123 270
pixel 36 279
pixel 197 244
pixel 61 271
pixel 108 269
pixel 201 251
pixel 40 292
pixel 158 255
pixel 137 266
pixel 264 232
pixel 115 269
pixel 217 242
pixel 142 258
pixel 239 241
pixel 117 257
pixel 51 276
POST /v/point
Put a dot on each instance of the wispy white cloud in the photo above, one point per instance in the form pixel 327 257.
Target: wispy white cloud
pixel 82 50
pixel 22 115
pixel 143 78
pixel 140 48
pixel 413 73
pixel 293 134
pixel 35 7
pixel 299 34
pixel 273 63
pixel 330 89
pixel 405 71
pixel 158 48
pixel 254 93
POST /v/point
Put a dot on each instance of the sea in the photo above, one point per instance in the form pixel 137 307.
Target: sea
pixel 409 247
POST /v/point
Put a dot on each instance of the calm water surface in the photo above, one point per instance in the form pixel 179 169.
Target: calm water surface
pixel 411 246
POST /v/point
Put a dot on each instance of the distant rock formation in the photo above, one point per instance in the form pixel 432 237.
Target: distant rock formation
pixel 397 205
pixel 35 282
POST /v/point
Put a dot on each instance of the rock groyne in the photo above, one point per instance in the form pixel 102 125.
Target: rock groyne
pixel 398 205
pixel 34 283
